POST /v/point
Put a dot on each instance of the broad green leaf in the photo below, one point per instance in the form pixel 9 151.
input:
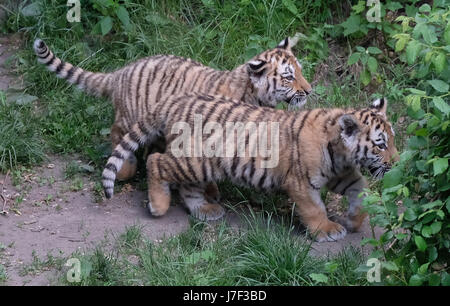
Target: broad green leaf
pixel 372 64
pixel 290 6
pixel 425 8
pixel 351 25
pixel 412 127
pixel 420 243
pixel 389 265
pixel 365 77
pixel 412 50
pixel 439 61
pixel 439 85
pixel 319 277
pixel 432 254
pixel 106 25
pixel 123 16
pixel 392 178
pixel 416 280
pixel 353 58
pixel 426 231
pixel 417 92
pixel 441 105
pixel 410 215
pixel 400 45
pixel 428 34
pixel 440 165
pixel 447 34
pixel 436 227
pixel 423 268
pixel 374 50
pixel 393 6
pixel 33 9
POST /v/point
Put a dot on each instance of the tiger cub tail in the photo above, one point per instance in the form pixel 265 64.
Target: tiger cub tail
pixel 141 133
pixel 99 84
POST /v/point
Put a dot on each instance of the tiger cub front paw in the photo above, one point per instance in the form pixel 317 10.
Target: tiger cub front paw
pixel 208 212
pixel 330 231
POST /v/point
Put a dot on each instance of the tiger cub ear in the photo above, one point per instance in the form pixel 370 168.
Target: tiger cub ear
pixel 289 42
pixel 256 67
pixel 380 106
pixel 349 126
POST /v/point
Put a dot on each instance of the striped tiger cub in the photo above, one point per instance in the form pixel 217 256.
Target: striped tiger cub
pixel 313 148
pixel 272 76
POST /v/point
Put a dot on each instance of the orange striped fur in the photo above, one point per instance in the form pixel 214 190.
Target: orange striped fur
pixel 317 148
pixel 272 76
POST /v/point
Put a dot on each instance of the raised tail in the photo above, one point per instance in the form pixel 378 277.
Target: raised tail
pixel 99 84
pixel 140 134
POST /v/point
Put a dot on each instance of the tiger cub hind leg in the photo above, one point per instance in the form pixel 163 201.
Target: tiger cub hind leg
pixel 351 186
pixel 199 207
pixel 159 195
pixel 129 167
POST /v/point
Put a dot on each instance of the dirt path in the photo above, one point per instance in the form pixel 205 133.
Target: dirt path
pixel 45 213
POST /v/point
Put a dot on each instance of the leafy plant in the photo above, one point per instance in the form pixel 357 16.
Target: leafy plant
pixel 367 60
pixel 414 205
pixel 112 12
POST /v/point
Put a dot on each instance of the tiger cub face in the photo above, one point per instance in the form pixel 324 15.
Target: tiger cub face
pixel 370 138
pixel 276 75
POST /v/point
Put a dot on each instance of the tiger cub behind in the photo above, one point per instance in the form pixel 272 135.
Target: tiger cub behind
pixel 312 149
pixel 272 76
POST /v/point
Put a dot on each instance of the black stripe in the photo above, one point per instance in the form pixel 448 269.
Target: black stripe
pixel 117 154
pixel 331 153
pixel 349 185
pixel 126 146
pixel 309 181
pixel 60 67
pixel 51 60
pixel 70 72
pixel 112 167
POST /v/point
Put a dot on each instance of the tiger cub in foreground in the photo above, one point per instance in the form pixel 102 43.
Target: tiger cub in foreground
pixel 272 76
pixel 313 149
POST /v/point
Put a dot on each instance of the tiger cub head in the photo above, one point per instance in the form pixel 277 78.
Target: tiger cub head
pixel 276 76
pixel 370 138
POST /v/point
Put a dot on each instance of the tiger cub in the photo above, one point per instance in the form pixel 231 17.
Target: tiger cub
pixel 272 76
pixel 311 149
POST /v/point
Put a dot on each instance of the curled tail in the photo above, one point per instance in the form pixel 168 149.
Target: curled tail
pixel 94 83
pixel 140 134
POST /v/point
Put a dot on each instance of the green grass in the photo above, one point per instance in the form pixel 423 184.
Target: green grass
pixel 263 253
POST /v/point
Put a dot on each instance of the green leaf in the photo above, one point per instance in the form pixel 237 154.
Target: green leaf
pixel 423 268
pixel 400 45
pixel 374 50
pixel 416 280
pixel 428 34
pixel 365 77
pixel 432 254
pixel 194 258
pixel 353 58
pixel 439 61
pixel 319 277
pixel 425 8
pixel 420 243
pixel 440 165
pixel 33 9
pixel 106 25
pixel 412 127
pixel 393 6
pixel 372 64
pixel 392 178
pixel 426 231
pixel 439 85
pixel 351 25
pixel 412 50
pixel 123 16
pixel 441 105
pixel 410 215
pixel 447 34
pixel 436 227
pixel 290 6
pixel 389 265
